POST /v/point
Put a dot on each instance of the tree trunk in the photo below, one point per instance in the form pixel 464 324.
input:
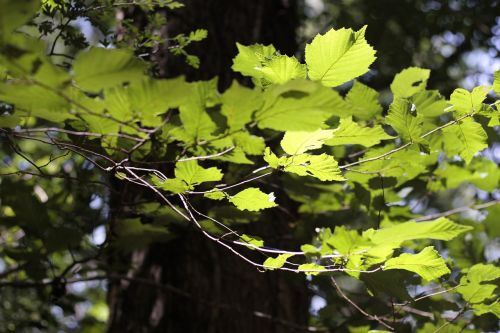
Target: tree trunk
pixel 192 284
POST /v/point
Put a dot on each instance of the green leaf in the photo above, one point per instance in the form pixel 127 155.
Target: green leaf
pixel 465 138
pixel 348 241
pixel 298 111
pixel 252 240
pixel 249 59
pixel 198 35
pixel 310 249
pixel 238 105
pixel 151 98
pixel 197 124
pixel 473 287
pixel 409 81
pixel 442 229
pixel 324 167
pixel 295 143
pixel 215 195
pixel 278 262
pixel 429 103
pixel 14 14
pixel 193 174
pixel 253 199
pixel 338 56
pixel 494 308
pixel 282 69
pixel 496 82
pixel 349 132
pixel 465 102
pixel 310 268
pixel 249 144
pixel 362 102
pixel 173 185
pixel 428 264
pixel 100 68
pixel 409 127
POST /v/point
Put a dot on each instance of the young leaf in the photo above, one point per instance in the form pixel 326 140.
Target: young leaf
pixel 409 81
pixel 100 68
pixel 238 105
pixel 295 143
pixel 496 82
pixel 249 144
pixel 298 112
pixel 442 229
pixel 197 123
pixel 281 69
pixel 193 174
pixel 278 262
pixel 429 103
pixel 253 199
pixel 473 287
pixel 338 56
pixel 350 133
pixel 428 264
pixel 215 195
pixel 173 185
pixel 252 240
pixel 324 167
pixel 249 59
pixel 401 119
pixel 363 102
pixel 465 139
pixel 465 102
pixel 311 268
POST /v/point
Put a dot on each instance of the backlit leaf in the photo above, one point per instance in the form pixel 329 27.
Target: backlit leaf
pixel 338 56
pixel 409 81
pixel 253 199
pixel 428 264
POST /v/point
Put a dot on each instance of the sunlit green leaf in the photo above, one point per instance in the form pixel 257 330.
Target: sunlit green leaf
pixel 295 143
pixel 409 81
pixel 253 199
pixel 338 56
pixel 427 263
pixel 349 132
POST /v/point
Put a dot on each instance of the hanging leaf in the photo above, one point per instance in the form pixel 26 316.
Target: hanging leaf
pixel 428 264
pixel 324 167
pixel 338 56
pixel 409 127
pixel 193 174
pixel 496 82
pixel 249 59
pixel 99 68
pixel 281 69
pixel 466 138
pixel 350 133
pixel 429 103
pixel 238 105
pixel 278 262
pixel 465 102
pixel 295 143
pixel 409 81
pixel 253 199
pixel 362 102
pixel 442 229
pixel 298 112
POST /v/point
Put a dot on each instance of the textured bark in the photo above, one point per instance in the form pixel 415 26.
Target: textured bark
pixel 191 284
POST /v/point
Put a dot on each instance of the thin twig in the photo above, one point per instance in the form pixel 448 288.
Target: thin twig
pixel 357 307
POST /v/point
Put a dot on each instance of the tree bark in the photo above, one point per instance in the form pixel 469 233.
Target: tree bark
pixel 192 284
